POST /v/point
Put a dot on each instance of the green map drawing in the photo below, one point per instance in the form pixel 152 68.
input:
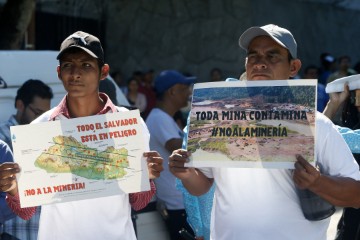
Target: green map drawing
pixel 67 155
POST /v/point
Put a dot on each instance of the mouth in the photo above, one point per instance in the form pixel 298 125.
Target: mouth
pixel 75 83
pixel 259 76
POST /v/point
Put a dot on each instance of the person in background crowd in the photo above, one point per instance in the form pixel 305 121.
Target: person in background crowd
pixel 348 102
pixel 134 97
pixel 138 75
pixel 357 67
pixel 344 69
pixel 119 80
pixel 146 88
pixel 148 78
pixel 5 212
pixel 198 207
pixel 108 87
pixel 216 75
pixel 312 72
pixel 173 91
pixel 33 98
pixel 328 66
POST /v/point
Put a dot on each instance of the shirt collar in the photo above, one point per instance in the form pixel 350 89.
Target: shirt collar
pixel 12 121
pixel 62 108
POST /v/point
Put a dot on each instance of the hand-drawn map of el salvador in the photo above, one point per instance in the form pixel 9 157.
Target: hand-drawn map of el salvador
pixel 261 124
pixel 80 158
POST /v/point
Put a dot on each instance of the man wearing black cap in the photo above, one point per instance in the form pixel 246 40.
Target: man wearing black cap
pixel 173 91
pixel 81 69
pixel 258 203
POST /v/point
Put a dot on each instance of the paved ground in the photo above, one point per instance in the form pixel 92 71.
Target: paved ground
pixel 333 224
pixel 151 226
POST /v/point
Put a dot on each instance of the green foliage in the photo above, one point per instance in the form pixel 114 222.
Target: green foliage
pixel 199 123
pixel 193 144
pixel 212 145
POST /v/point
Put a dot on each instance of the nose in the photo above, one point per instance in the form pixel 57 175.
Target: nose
pixel 75 71
pixel 260 63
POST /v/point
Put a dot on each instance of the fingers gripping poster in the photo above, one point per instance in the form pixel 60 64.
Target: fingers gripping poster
pixel 261 124
pixel 80 158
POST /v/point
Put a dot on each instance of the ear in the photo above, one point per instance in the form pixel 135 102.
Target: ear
pixel 104 71
pixel 58 72
pixel 295 66
pixel 20 106
pixel 173 90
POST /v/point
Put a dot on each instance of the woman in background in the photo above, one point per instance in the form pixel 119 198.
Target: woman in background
pixel 135 98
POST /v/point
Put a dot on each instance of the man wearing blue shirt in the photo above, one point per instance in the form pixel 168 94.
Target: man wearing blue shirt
pixel 5 211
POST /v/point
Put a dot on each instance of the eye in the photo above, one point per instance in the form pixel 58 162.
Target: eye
pixel 65 65
pixel 251 58
pixel 87 65
pixel 251 55
pixel 273 58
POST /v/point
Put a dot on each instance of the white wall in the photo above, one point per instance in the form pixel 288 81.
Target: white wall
pixel 18 66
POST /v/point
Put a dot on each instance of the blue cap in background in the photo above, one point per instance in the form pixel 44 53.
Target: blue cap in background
pixel 169 78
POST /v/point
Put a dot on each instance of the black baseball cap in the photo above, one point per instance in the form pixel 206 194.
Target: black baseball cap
pixel 84 41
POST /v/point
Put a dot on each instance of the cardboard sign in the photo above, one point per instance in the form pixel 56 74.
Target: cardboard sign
pixel 252 123
pixel 80 158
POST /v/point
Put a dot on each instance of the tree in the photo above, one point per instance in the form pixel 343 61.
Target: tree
pixel 14 20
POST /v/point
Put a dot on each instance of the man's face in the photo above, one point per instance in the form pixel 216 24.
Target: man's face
pixel 215 76
pixel 267 60
pixel 311 73
pixel 133 86
pixel 344 64
pixel 181 94
pixel 148 78
pixel 80 74
pixel 37 107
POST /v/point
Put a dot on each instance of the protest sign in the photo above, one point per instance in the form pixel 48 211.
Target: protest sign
pixel 252 123
pixel 80 158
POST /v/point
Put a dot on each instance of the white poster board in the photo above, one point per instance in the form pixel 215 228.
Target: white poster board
pixel 252 123
pixel 80 158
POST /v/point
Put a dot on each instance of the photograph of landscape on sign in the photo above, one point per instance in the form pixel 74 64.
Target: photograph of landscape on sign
pixel 252 124
pixel 67 155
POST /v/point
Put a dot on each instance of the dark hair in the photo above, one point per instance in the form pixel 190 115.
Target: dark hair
pixel 289 56
pixel 32 88
pixel 138 73
pixel 215 70
pixel 357 67
pixel 115 73
pixel 350 114
pixel 130 79
pixel 324 59
pixel 343 57
pixel 311 66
